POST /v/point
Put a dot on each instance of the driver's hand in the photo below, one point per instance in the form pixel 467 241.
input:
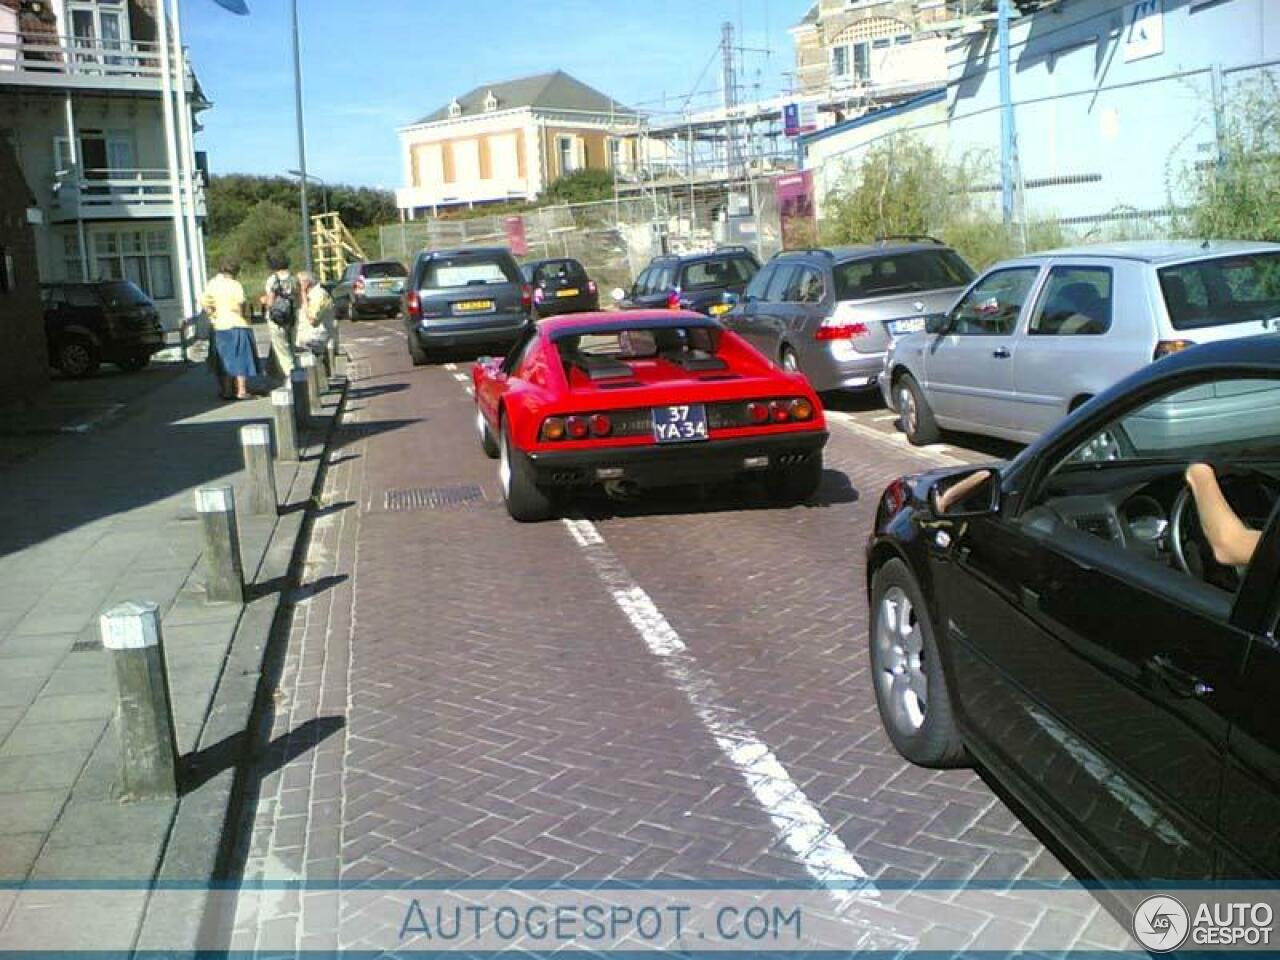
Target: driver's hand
pixel 1200 475
pixel 1233 543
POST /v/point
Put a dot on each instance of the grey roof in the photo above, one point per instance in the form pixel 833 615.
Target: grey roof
pixel 1159 251
pixel 811 16
pixel 547 91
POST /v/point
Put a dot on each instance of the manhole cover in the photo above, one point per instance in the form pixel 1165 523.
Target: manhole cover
pixel 433 498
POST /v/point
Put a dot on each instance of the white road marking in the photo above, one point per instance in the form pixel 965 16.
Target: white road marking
pixel 471 391
pixel 451 366
pixel 461 377
pixel 934 454
pixel 798 823
pixel 885 417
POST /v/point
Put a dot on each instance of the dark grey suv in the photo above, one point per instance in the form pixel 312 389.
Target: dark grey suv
pixel 832 314
pixel 464 298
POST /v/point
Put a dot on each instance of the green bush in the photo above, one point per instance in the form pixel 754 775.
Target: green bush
pixel 1239 196
pixel 581 186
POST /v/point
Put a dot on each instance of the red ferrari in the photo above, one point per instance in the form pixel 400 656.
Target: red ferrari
pixel 644 398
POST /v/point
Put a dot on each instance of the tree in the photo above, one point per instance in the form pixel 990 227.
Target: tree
pixel 581 186
pixel 1239 196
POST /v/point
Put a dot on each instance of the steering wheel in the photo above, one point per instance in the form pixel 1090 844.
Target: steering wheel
pixel 1180 521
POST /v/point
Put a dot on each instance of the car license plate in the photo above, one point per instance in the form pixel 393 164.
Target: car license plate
pixel 571 292
pixel 680 424
pixel 473 306
pixel 900 328
pixel 718 309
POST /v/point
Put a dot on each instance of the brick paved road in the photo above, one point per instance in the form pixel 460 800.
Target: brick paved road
pixel 468 698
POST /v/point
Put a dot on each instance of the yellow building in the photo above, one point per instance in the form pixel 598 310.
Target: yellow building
pixel 510 141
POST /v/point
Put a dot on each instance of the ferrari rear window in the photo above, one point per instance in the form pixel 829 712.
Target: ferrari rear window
pixel 639 343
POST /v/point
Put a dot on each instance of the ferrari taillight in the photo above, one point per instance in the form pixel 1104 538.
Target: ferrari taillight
pixel 578 428
pixel 601 426
pixel 758 412
pixel 553 429
pixel 801 409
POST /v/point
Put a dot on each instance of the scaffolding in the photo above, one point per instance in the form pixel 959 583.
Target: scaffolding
pixel 333 246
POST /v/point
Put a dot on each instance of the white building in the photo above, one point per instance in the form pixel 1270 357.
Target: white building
pixel 1114 102
pixel 510 141
pixel 80 101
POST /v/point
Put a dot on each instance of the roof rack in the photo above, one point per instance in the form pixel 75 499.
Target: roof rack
pixel 912 237
pixel 807 251
pixel 734 248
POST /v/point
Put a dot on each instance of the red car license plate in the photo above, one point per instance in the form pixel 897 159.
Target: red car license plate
pixel 680 424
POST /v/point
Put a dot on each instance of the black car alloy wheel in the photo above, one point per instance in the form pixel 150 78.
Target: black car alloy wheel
pixel 77 357
pixel 911 691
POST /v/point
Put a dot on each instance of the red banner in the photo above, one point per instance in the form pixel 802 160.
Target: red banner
pixel 516 239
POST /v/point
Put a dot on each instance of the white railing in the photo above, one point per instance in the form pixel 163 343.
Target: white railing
pixel 116 193
pixel 33 56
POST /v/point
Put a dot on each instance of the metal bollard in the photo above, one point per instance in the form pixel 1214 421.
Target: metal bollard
pixel 217 509
pixel 331 358
pixel 255 443
pixel 310 368
pixel 301 397
pixel 144 713
pixel 286 430
pixel 326 364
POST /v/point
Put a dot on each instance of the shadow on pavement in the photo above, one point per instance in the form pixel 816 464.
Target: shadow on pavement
pixel 302 592
pixel 365 393
pixel 203 765
pixel 732 497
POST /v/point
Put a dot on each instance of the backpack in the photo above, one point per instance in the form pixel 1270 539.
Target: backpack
pixel 283 311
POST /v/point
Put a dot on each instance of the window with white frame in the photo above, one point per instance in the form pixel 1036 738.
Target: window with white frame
pixel 455 109
pixel 566 155
pixel 616 161
pixel 141 256
pixel 851 61
pixel 103 24
pixel 490 102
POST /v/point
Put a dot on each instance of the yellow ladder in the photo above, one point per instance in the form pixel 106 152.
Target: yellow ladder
pixel 332 246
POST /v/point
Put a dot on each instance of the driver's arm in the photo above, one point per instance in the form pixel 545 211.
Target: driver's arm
pixel 1233 543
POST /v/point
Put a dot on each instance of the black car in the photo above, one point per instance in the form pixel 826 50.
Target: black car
pixel 87 324
pixel 692 282
pixel 370 289
pixel 465 298
pixel 1063 622
pixel 560 285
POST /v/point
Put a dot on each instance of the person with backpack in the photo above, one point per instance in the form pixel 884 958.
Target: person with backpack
pixel 282 311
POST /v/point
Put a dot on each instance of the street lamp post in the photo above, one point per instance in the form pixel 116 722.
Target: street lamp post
pixel 302 138
pixel 324 186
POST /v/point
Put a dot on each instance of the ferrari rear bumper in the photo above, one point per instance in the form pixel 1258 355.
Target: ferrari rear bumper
pixel 654 465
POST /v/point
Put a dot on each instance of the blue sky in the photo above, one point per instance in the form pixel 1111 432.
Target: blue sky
pixel 371 66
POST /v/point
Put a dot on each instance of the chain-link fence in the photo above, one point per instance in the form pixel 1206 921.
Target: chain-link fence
pixel 613 239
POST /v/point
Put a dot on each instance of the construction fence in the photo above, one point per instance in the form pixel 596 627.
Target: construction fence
pixel 613 239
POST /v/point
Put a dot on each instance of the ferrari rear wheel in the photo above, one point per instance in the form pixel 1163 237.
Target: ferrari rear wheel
pixel 911 690
pixel 795 484
pixel 525 500
pixel 487 443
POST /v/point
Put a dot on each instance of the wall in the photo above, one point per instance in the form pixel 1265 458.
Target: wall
pixel 1106 121
pixel 24 365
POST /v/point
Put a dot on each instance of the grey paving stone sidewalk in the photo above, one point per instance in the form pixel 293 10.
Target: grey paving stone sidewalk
pixel 88 521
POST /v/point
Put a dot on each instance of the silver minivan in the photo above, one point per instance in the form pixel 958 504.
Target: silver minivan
pixel 1033 338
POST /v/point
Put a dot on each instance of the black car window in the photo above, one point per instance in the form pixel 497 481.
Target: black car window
pixel 783 275
pixel 351 272
pixel 663 278
pixel 1222 290
pixel 80 295
pixel 519 350
pixel 559 270
pixel 760 282
pixel 641 286
pixel 122 294
pixel 710 274
pixel 1076 301
pixel 914 271
pixel 994 304
pixel 55 297
pixel 744 267
pixel 469 270
pixel 380 271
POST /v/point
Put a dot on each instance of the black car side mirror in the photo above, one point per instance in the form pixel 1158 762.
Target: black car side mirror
pixel 969 493
pixel 937 323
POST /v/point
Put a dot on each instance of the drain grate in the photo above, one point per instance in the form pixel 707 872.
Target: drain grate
pixel 432 498
pixel 86 646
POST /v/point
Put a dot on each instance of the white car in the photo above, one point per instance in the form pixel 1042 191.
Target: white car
pixel 1034 338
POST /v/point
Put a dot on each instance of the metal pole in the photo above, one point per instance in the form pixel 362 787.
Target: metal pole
pixel 171 156
pixel 187 155
pixel 1006 114
pixel 73 149
pixel 302 138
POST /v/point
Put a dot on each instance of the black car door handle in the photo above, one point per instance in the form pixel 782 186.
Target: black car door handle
pixel 1179 681
pixel 1001 353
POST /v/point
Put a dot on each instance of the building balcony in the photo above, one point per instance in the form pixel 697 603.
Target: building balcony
pixel 116 195
pixel 69 63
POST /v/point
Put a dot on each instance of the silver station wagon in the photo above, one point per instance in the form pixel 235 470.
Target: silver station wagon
pixel 1034 338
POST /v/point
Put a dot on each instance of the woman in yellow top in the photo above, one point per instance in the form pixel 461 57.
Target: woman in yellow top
pixel 223 301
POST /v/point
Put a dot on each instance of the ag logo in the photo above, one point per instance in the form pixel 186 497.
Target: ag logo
pixel 1161 923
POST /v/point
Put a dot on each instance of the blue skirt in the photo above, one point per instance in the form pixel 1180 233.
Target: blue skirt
pixel 236 352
